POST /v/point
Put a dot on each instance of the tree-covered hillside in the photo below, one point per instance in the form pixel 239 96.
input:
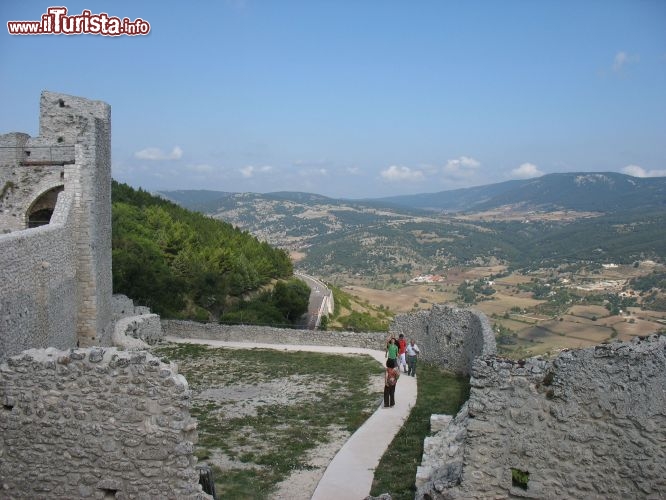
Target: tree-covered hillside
pixel 182 263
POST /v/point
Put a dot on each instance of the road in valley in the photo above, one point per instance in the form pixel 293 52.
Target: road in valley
pixel 318 292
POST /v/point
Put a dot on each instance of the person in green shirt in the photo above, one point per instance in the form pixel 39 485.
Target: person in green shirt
pixel 392 350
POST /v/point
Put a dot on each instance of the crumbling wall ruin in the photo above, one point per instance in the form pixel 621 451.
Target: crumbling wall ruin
pixel 589 424
pixel 95 423
pixel 75 422
pixel 448 336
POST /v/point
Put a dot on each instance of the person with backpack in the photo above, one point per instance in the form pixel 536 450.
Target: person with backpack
pixel 391 377
pixel 402 348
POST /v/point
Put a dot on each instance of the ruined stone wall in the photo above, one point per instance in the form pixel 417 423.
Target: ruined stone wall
pixel 448 336
pixel 92 423
pixel 51 272
pixel 38 305
pixel 269 335
pixel 137 332
pixel 589 424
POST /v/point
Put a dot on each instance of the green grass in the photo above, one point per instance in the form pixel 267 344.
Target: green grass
pixel 273 443
pixel 438 392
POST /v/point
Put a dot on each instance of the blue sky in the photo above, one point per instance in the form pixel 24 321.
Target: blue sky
pixel 357 98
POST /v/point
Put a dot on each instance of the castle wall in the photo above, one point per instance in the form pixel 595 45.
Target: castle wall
pixel 269 335
pixel 38 306
pixel 74 120
pixel 21 185
pixel 91 423
pixel 448 336
pixel 589 424
pixel 55 280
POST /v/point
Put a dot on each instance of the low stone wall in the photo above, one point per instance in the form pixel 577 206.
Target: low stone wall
pixel 135 327
pixel 94 423
pixel 589 424
pixel 448 336
pixel 268 335
pixel 138 332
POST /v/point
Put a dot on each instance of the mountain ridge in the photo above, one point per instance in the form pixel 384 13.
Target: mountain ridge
pixel 605 192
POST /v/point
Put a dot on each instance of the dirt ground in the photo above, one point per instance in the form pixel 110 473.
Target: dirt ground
pixel 245 399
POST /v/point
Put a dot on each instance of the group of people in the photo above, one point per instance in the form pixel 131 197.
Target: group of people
pixel 399 355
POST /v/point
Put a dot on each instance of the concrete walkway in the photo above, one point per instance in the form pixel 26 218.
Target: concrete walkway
pixel 349 475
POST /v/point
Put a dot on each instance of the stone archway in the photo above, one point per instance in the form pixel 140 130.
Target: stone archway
pixel 40 211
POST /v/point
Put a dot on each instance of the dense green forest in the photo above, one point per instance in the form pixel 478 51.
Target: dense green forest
pixel 183 264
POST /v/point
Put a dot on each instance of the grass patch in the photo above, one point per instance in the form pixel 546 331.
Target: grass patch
pixel 271 443
pixel 438 392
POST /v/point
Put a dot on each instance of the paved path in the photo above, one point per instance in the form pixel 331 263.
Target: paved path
pixel 350 473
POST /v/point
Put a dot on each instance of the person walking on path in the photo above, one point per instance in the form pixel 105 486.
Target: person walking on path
pixel 392 350
pixel 402 348
pixel 412 354
pixel 391 377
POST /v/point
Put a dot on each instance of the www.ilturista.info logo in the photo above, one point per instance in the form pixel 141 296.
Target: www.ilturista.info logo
pixel 57 22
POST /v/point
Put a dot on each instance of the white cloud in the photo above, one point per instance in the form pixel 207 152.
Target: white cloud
pixel 353 170
pixel 464 166
pixel 525 171
pixel 250 170
pixel 637 171
pixel 621 59
pixel 395 173
pixel 157 154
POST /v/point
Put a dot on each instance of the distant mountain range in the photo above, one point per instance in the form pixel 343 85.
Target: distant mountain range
pixel 607 192
pixel 603 217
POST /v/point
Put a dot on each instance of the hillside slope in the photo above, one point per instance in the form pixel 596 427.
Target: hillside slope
pixel 182 263
pixel 610 217
pixel 607 192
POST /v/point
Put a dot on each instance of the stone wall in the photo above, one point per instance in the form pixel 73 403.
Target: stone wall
pixel 448 336
pixel 85 123
pixel 137 332
pixel 92 423
pixel 268 335
pixel 38 303
pixel 55 280
pixel 589 424
pixel 21 185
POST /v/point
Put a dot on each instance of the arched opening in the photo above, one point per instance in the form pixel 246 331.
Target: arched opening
pixel 40 212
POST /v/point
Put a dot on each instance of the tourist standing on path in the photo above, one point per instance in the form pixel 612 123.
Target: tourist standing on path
pixel 402 348
pixel 392 350
pixel 412 353
pixel 391 377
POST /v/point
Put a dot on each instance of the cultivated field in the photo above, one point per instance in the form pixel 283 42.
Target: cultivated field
pixel 515 311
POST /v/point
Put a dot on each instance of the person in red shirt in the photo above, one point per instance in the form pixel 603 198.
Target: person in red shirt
pixel 402 347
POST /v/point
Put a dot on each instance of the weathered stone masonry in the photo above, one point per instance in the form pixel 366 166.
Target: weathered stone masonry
pixel 88 423
pixel 589 424
pixel 52 274
pixel 448 336
pixel 78 422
